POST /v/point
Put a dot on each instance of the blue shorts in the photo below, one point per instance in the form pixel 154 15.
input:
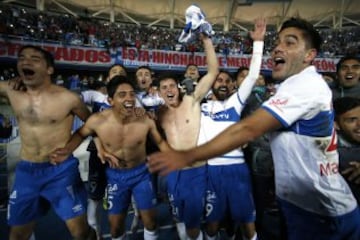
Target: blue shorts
pixel 38 186
pixel 122 183
pixel 302 224
pixel 186 190
pixel 229 190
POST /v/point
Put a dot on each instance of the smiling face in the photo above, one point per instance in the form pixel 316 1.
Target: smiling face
pixel 349 123
pixel 33 68
pixel 169 91
pixel 291 54
pixel 349 73
pixel 123 100
pixel 222 86
pixel 143 78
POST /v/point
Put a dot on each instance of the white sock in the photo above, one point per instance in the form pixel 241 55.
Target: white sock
pixel 181 229
pixel 253 238
pixel 207 237
pixel 32 237
pixel 119 238
pixel 93 215
pixel 150 235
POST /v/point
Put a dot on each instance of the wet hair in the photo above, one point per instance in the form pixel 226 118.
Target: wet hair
pixel 344 104
pixel 310 34
pixel 115 82
pixel 46 54
pixel 165 76
pixel 120 65
pixel 345 58
pixel 240 69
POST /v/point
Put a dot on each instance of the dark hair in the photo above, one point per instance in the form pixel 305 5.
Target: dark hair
pixel 46 54
pixel 120 65
pixel 226 72
pixel 310 34
pixel 240 69
pixel 191 64
pixel 165 76
pixel 345 58
pixel 97 85
pixel 344 104
pixel 144 67
pixel 115 82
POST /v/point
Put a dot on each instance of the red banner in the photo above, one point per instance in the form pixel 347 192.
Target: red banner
pixel 133 58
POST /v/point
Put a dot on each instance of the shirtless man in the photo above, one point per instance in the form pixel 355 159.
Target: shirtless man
pixel 123 135
pixel 45 113
pixel 180 120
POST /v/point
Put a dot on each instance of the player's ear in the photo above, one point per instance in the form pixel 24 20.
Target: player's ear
pixel 310 55
pixel 50 70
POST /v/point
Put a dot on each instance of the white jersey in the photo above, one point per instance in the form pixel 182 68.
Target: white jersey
pixel 96 99
pixel 304 150
pixel 150 101
pixel 219 115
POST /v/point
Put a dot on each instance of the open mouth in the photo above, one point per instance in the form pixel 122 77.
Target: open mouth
pixel 278 61
pixel 170 96
pixel 128 105
pixel 28 72
pixel 223 90
pixel 349 77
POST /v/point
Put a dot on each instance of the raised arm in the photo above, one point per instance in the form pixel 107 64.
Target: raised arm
pixel 206 81
pixel 257 36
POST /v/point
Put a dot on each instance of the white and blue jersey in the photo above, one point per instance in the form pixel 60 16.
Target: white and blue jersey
pixel 149 101
pixel 304 150
pixel 219 115
pixel 96 99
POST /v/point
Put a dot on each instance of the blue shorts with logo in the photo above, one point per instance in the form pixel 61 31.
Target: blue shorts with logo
pixel 229 190
pixel 122 183
pixel 38 186
pixel 186 191
pixel 302 224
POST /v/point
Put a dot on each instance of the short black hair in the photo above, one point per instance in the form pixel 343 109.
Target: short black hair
pixel 345 58
pixel 310 34
pixel 120 65
pixel 115 82
pixel 240 69
pixel 144 67
pixel 344 104
pixel 46 54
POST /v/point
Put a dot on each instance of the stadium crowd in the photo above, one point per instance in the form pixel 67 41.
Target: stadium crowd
pixel 85 31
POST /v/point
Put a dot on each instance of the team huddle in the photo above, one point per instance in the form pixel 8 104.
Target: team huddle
pixel 200 133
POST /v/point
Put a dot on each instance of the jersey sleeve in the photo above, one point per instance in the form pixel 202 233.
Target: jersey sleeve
pixel 247 85
pixel 291 103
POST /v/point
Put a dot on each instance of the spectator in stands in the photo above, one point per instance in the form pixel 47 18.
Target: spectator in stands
pixel 348 77
pixel 347 119
pixel 5 127
pixel 241 73
pixel 329 79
